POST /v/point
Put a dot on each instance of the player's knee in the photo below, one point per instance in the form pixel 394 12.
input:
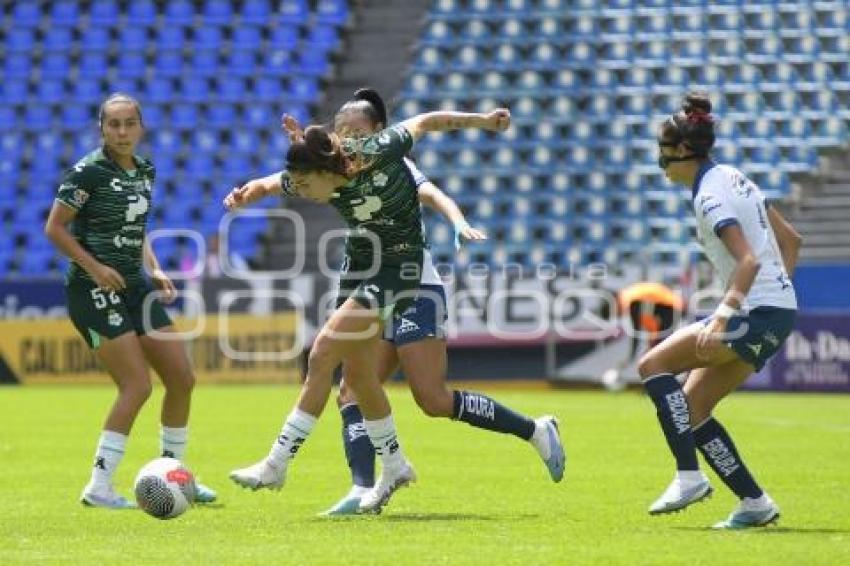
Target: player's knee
pixel 138 391
pixel 647 366
pixel 346 395
pixel 435 403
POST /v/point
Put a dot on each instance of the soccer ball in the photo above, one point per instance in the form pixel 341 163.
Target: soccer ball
pixel 165 488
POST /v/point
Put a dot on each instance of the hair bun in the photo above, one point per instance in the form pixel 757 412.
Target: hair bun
pixel 371 96
pixel 696 103
pixel 318 140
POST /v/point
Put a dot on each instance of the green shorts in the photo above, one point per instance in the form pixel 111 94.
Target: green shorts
pixel 99 314
pixel 391 290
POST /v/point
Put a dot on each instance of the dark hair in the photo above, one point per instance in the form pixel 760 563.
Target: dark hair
pixel 693 125
pixel 318 151
pixel 118 97
pixel 368 102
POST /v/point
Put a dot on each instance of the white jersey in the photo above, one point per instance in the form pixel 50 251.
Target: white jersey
pixel 429 272
pixel 722 196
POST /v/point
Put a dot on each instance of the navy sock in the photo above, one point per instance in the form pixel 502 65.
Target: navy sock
pixel 358 448
pixel 675 417
pixel 483 412
pixel 719 451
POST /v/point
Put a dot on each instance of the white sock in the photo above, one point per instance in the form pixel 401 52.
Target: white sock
pixel 172 441
pixel 110 450
pixel 382 433
pixel 690 477
pixel 295 431
pixel 357 491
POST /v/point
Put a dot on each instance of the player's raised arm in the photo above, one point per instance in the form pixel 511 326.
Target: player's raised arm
pixel 253 190
pixel 443 121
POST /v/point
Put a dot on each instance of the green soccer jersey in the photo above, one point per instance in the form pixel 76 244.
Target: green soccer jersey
pixel 112 209
pixel 382 199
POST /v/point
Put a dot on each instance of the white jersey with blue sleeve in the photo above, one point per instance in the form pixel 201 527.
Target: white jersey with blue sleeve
pixel 430 276
pixel 722 196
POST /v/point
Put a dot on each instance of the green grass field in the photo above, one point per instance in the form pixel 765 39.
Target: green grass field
pixel 481 498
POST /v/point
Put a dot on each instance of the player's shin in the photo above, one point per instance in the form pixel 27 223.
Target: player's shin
pixel 675 419
pixel 483 412
pixel 719 451
pixel 359 451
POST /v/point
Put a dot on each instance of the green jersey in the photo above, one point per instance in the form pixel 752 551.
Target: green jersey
pixel 382 199
pixel 112 207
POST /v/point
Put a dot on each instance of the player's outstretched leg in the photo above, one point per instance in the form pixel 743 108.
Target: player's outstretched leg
pixel 360 455
pixel 270 472
pixel 689 485
pixel 484 412
pixel 756 508
pixel 397 472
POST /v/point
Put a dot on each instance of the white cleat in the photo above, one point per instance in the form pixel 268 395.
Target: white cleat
pixel 679 494
pixel 104 496
pixel 390 481
pixel 751 513
pixel 261 475
pixel 547 442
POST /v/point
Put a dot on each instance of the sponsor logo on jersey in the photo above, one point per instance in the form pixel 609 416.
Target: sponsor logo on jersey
pixel 755 349
pixel 406 325
pixel 771 338
pixel 116 185
pixel 121 241
pixel 115 319
pixel 79 196
pixel 384 138
pixel 379 179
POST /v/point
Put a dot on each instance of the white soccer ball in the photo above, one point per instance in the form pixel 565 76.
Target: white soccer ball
pixel 165 488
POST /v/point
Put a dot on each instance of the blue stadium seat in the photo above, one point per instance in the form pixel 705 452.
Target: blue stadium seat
pixel 278 63
pixel 134 38
pixel 284 37
pixel 17 66
pixel 222 116
pixel 20 40
pixel 184 116
pixel 246 38
pixel 65 13
pixel 218 12
pixel 26 14
pixel 323 37
pixel 131 65
pixel 8 119
pixel 334 12
pixel 179 13
pixel 171 38
pixel 292 11
pixel 242 63
pixel 168 64
pixel 38 117
pixel 205 63
pixel 160 90
pixel 255 12
pixel 207 38
pixel 51 91
pixel 194 89
pixel 104 13
pixel 152 116
pixel 313 63
pixel 142 13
